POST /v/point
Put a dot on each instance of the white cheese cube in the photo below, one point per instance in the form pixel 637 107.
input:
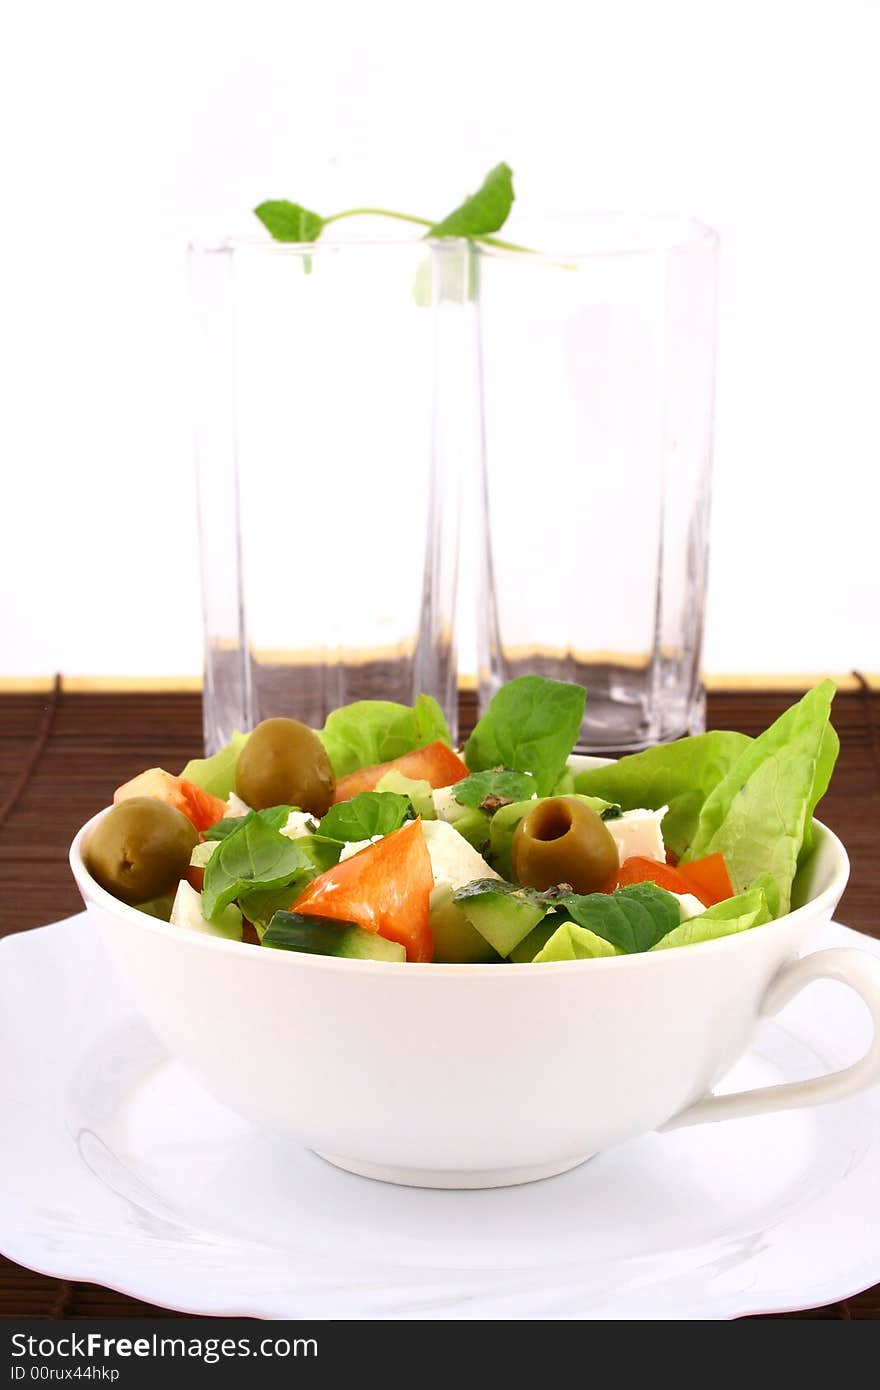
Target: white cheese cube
pixel 638 833
pixel 453 860
pixel 445 804
pixel 299 823
pixel 690 906
pixel 353 847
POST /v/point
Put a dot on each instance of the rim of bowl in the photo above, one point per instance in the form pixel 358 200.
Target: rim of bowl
pixel 92 890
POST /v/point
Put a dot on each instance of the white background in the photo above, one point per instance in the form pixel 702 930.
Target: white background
pixel 129 128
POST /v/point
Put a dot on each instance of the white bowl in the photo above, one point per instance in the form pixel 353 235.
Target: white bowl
pixel 482 1075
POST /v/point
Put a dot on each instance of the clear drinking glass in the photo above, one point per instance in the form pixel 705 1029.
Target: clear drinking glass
pixel 597 372
pixel 335 391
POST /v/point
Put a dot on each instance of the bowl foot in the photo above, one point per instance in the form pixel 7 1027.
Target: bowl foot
pixel 457 1178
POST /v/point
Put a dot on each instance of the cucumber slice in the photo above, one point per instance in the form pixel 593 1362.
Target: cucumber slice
pixel 323 936
pixel 502 913
pixel 536 940
pixel 419 792
pixel 456 942
pixel 158 907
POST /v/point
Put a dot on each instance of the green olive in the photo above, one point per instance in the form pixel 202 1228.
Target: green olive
pixel 141 849
pixel 284 763
pixel 563 841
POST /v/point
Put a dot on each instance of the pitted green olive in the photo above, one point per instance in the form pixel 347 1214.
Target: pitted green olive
pixel 563 841
pixel 141 849
pixel 284 763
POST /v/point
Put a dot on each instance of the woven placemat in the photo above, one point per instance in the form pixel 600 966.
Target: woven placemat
pixel 62 753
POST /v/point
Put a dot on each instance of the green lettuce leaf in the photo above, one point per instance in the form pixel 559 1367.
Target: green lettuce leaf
pixel 501 784
pixel 571 942
pixel 679 775
pixel 632 919
pixel 531 725
pixel 376 731
pixel 824 768
pixel 757 815
pixel 744 911
pixel 217 774
pixel 366 815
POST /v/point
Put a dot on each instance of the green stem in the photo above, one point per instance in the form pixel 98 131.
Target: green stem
pixel 377 212
pixel 421 222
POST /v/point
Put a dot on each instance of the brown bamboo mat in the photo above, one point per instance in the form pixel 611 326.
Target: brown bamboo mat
pixel 61 755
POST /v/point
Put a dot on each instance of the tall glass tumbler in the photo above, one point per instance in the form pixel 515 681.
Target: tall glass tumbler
pixel 597 371
pixel 335 391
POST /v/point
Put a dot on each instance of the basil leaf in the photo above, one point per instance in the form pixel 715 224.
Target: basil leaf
pixel 484 211
pixel 501 785
pixel 289 221
pixel 377 731
pixel 366 815
pixel 532 724
pixel 254 855
pixel 632 919
pixel 273 816
pixel 260 904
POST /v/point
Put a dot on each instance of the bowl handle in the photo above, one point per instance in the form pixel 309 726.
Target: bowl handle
pixel 858 969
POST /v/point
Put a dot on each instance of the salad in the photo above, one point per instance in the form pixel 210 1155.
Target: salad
pixel 372 838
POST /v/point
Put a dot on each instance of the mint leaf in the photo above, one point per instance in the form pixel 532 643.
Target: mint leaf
pixel 484 211
pixel 501 785
pixel 366 815
pixel 632 919
pixel 254 855
pixel 273 816
pixel 289 221
pixel 532 724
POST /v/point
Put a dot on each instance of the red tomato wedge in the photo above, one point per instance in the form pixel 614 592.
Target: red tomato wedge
pixel 637 869
pixel 385 889
pixel 708 879
pixel 436 764
pixel 200 807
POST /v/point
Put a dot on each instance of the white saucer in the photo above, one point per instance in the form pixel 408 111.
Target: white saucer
pixel 118 1169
